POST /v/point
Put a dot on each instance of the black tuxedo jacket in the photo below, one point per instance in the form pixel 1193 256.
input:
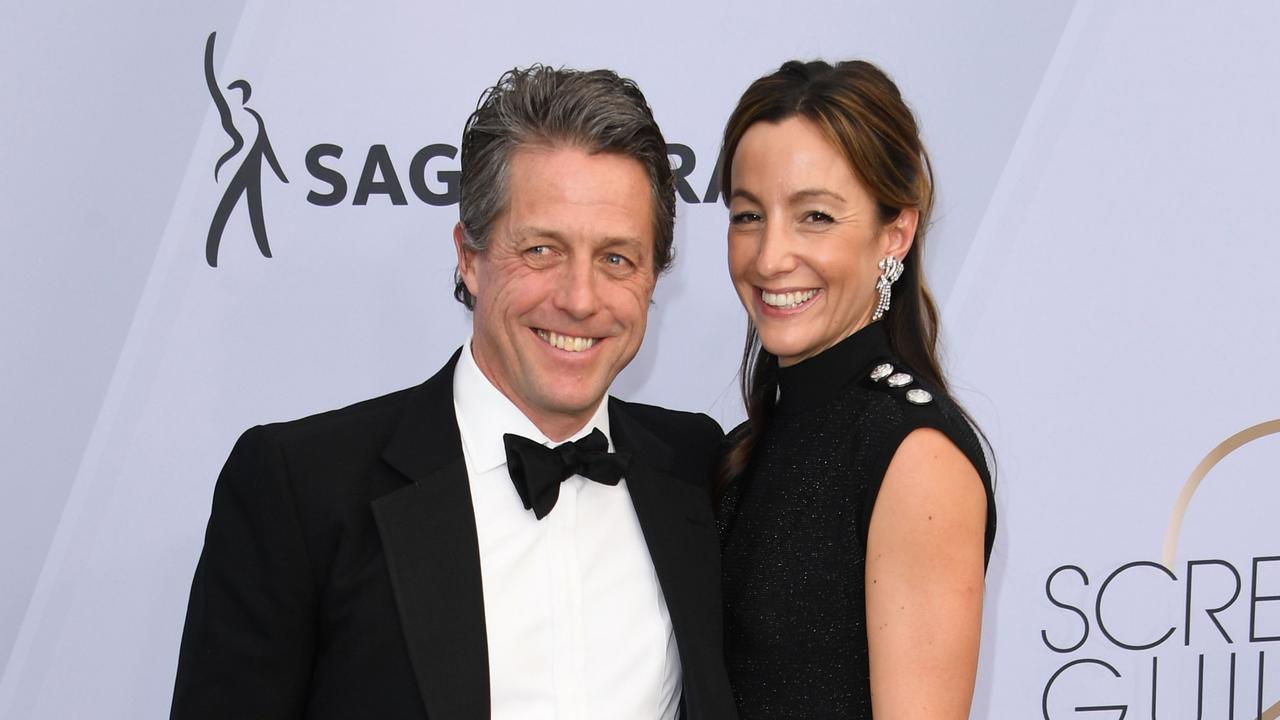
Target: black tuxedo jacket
pixel 340 576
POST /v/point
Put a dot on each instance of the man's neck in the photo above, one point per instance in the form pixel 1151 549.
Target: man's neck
pixel 557 428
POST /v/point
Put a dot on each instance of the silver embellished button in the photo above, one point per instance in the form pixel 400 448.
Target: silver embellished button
pixel 881 372
pixel 900 379
pixel 919 397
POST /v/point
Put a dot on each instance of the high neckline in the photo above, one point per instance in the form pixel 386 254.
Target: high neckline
pixel 814 381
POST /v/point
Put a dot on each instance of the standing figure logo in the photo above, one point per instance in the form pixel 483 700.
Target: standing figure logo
pixel 247 180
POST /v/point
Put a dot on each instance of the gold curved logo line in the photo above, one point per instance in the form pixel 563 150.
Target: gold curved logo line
pixel 1215 456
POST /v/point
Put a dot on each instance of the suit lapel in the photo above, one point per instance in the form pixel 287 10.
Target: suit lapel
pixel 428 534
pixel 676 519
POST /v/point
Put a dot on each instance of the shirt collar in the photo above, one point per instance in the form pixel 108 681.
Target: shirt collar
pixel 485 415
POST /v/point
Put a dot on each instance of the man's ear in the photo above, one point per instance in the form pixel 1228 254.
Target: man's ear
pixel 898 235
pixel 466 260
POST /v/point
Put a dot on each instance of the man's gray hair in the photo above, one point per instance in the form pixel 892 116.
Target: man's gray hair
pixel 595 110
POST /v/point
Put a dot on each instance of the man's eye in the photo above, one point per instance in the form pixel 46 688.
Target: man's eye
pixel 616 259
pixel 538 250
pixel 742 218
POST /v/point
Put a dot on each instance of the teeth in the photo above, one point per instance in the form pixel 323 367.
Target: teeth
pixel 787 299
pixel 567 343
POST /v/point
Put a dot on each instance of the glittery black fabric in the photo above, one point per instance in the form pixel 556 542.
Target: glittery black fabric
pixel 794 530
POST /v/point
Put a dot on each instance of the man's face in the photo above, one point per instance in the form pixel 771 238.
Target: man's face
pixel 562 292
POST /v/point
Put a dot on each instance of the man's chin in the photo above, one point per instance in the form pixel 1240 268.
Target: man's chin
pixel 574 404
pixel 571 398
pixel 569 390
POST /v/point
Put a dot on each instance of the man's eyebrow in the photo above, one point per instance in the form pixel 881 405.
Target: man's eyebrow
pixel 528 231
pixel 525 232
pixel 622 242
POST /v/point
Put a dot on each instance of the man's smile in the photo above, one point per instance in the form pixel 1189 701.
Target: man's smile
pixel 568 343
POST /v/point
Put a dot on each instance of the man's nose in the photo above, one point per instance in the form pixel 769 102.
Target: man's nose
pixel 578 294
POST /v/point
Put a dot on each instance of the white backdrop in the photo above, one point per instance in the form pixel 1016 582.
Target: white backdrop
pixel 1104 253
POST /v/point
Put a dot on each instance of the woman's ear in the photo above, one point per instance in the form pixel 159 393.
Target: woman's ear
pixel 897 236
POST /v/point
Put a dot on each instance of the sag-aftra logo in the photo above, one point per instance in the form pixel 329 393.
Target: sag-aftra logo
pixel 246 181
pixel 429 174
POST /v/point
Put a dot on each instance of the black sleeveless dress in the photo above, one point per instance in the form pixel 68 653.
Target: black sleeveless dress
pixel 794 527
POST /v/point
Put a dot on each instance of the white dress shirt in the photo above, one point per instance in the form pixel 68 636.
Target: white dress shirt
pixel 576 622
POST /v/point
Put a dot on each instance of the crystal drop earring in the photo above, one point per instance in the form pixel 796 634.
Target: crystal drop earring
pixel 890 271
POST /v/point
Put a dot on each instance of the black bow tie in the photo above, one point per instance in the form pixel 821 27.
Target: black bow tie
pixel 537 470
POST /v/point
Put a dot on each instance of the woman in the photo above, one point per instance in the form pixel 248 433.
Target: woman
pixel 857 513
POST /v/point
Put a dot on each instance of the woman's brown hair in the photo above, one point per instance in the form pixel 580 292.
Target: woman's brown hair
pixel 862 114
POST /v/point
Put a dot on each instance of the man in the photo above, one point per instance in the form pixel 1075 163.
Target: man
pixel 413 555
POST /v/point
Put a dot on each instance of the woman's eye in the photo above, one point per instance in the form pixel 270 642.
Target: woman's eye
pixel 817 216
pixel 742 218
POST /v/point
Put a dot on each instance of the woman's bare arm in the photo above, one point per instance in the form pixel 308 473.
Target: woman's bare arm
pixel 924 576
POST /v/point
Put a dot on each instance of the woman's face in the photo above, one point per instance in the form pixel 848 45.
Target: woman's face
pixel 805 239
